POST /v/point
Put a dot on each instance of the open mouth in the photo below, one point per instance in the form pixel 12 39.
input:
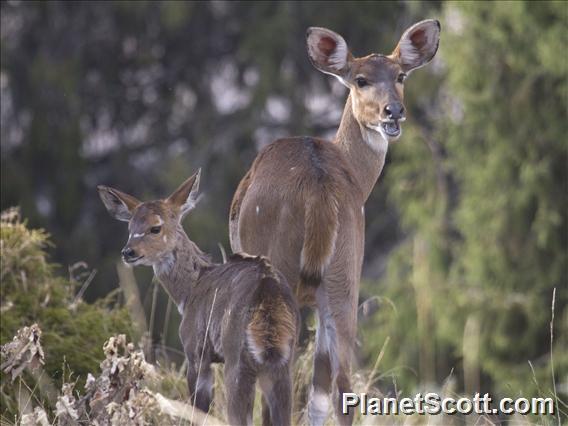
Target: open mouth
pixel 391 128
pixel 132 259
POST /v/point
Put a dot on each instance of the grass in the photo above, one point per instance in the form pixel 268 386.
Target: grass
pixel 155 395
pixel 144 393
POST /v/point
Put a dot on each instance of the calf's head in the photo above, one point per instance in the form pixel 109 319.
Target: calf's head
pixel 153 225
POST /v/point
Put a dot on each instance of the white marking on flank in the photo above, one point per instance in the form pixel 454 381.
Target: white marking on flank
pixel 180 307
pixel 363 210
pixel 256 351
pixel 257 209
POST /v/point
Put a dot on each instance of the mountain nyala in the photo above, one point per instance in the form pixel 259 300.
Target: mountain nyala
pixel 241 312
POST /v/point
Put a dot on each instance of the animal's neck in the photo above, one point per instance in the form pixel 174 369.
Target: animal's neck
pixel 179 270
pixel 365 149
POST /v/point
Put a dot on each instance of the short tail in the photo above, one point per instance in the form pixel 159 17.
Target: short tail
pixel 320 232
pixel 271 333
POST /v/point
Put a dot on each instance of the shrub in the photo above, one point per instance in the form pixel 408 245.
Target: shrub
pixel 32 292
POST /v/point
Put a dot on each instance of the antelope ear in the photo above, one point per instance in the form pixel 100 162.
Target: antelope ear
pixel 418 45
pixel 119 204
pixel 185 198
pixel 328 52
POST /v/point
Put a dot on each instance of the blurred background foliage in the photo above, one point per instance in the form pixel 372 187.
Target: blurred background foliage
pixel 466 229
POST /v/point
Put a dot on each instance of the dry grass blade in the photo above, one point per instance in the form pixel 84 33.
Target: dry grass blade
pixel 155 288
pixel 185 411
pixel 128 284
pixel 552 357
pixel 223 252
pixel 84 287
pixel 166 322
pixel 376 366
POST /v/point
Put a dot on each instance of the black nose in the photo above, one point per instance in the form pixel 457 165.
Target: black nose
pixel 395 111
pixel 128 253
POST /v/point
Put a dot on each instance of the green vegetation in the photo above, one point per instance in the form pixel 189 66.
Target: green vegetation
pixel 32 292
pixel 484 202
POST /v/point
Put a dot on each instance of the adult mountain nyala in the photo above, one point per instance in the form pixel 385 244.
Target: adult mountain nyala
pixel 241 312
pixel 302 201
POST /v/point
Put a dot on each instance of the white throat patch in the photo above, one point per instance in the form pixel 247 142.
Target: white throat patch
pixel 164 266
pixel 376 139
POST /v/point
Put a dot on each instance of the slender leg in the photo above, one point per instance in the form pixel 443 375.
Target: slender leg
pixel 336 333
pixel 239 385
pixel 318 405
pixel 200 386
pixel 276 385
pixel 265 412
pixel 343 383
pixel 345 327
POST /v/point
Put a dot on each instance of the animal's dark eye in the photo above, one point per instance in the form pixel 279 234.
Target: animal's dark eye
pixel 401 77
pixel 155 229
pixel 361 82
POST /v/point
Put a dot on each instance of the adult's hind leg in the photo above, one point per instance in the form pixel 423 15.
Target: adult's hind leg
pixel 318 405
pixel 265 412
pixel 276 386
pixel 239 386
pixel 343 325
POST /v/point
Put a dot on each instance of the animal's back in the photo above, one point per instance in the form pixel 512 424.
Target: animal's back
pixel 287 206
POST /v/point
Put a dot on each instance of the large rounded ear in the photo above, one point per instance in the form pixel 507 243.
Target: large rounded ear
pixel 328 52
pixel 185 198
pixel 418 45
pixel 119 204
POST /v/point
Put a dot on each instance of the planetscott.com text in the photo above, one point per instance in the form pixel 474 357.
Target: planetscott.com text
pixel 433 404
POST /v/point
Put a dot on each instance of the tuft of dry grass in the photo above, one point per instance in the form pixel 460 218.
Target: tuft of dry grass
pixel 130 391
pixel 124 393
pixel 24 351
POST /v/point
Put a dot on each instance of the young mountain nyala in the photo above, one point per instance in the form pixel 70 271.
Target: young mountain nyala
pixel 241 312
